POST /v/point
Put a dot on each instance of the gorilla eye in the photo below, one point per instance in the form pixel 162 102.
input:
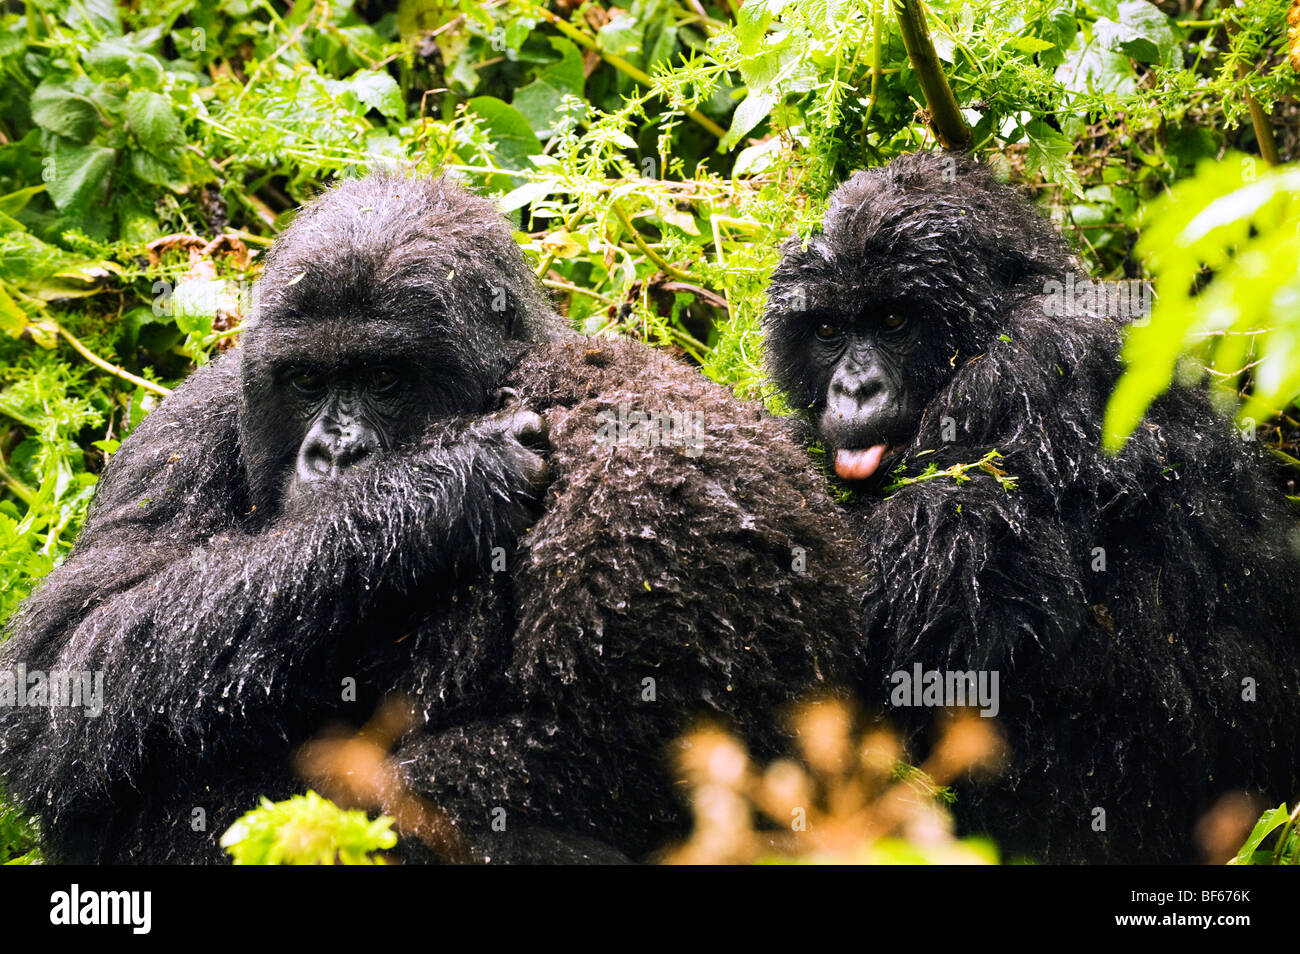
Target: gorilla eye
pixel 894 321
pixel 306 382
pixel 384 379
pixel 827 332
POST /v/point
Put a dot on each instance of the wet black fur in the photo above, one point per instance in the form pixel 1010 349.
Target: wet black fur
pixel 1121 689
pixel 225 622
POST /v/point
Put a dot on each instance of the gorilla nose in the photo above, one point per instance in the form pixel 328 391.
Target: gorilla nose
pixel 327 457
pixel 854 396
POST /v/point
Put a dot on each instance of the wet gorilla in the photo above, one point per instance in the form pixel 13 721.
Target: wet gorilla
pixel 316 511
pixel 1124 600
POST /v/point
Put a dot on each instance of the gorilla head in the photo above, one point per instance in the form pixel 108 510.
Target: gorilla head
pixel 910 276
pixel 388 303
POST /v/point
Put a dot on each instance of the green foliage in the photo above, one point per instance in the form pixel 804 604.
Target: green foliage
pixel 1223 248
pixel 1285 848
pixel 958 473
pixel 654 156
pixel 307 830
pixel 46 406
pixel 18 837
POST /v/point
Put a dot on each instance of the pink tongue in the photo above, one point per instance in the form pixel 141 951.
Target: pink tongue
pixel 858 464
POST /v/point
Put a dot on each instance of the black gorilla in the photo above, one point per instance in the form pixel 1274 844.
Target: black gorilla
pixel 311 519
pixel 1140 609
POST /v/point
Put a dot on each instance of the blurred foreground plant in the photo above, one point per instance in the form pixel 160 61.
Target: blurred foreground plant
pixel 852 800
pixel 1222 248
pixel 354 770
pixel 307 830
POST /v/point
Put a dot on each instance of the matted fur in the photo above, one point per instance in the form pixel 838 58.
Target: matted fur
pixel 1122 688
pixel 225 623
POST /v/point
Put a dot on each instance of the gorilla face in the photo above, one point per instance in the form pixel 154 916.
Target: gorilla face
pixel 913 274
pixel 861 362
pixel 396 303
pixel 339 393
pixel 868 404
pixel 340 406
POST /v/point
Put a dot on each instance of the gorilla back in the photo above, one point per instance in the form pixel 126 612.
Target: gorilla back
pixel 1137 606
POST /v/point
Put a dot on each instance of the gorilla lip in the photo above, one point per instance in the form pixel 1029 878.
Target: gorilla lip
pixel 858 464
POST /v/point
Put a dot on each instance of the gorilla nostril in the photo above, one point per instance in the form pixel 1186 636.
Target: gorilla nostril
pixel 857 391
pixel 859 386
pixel 352 453
pixel 328 451
pixel 316 461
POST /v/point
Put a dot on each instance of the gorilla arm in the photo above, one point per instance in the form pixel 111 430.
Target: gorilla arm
pixel 197 610
pixel 1008 582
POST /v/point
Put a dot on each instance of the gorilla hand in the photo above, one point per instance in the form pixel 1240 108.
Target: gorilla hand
pixel 523 437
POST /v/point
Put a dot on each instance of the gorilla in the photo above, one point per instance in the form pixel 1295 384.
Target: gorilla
pixel 1138 609
pixel 411 478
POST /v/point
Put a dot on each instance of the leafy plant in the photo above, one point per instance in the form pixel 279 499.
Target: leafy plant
pixel 1285 848
pixel 1223 248
pixel 307 830
pixel 18 837
pixel 654 155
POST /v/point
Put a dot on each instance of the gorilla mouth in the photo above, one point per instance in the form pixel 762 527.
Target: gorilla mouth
pixel 858 464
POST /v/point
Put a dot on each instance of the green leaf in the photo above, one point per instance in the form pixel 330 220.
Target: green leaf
pixel 13 319
pixel 1029 44
pixel 151 118
pixel 77 175
pixel 97 17
pixel 1269 822
pixel 621 36
pixel 63 112
pixel 112 57
pixel 540 100
pixel 379 91
pixel 526 193
pixel 1090 66
pixel 1239 225
pixel 1142 32
pixel 155 169
pixel 16 201
pixel 756 107
pixel 1049 153
pixel 512 137
pixel 664 47
pixel 753 20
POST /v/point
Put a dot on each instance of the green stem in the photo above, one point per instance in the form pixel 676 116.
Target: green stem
pixel 1259 118
pixel 620 64
pixel 875 60
pixel 112 369
pixel 578 290
pixel 16 486
pixel 649 252
pixel 945 117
